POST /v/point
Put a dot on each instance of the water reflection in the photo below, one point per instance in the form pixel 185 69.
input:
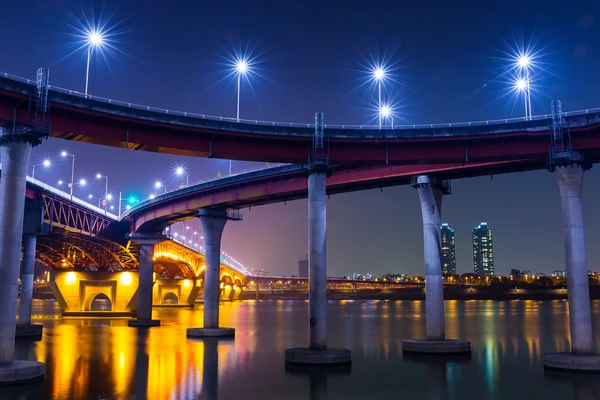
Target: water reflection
pixel 437 372
pixel 317 377
pixel 585 386
pixel 94 358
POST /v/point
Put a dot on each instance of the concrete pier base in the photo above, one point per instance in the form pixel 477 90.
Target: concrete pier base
pixel 210 332
pixel 572 362
pixel 29 331
pixel 143 323
pixel 306 356
pixel 447 346
pixel 21 372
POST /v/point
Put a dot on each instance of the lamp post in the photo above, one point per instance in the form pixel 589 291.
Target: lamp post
pixel 179 171
pixel 72 183
pixel 158 185
pixel 379 76
pixel 46 163
pixel 100 176
pixel 241 68
pixel 385 111
pixel 94 39
pixel 524 64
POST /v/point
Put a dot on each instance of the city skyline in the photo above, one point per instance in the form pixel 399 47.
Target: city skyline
pixel 442 81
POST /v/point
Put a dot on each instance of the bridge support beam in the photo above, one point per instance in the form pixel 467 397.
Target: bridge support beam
pixel 213 222
pixel 15 158
pixel 430 195
pixel 581 358
pixel 146 279
pixel 317 352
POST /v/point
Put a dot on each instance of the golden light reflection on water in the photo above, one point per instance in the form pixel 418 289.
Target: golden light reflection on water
pixel 108 357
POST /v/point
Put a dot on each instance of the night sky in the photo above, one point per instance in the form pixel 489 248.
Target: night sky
pixel 312 58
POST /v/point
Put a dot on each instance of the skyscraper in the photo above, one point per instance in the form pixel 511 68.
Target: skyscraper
pixel 448 252
pixel 483 250
pixel 303 268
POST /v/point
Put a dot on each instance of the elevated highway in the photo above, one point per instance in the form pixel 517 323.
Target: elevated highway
pixel 114 123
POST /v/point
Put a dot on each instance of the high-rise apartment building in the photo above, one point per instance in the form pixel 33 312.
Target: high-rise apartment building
pixel 448 250
pixel 483 250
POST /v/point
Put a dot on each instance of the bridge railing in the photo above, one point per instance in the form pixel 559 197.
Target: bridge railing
pixel 67 196
pixel 73 199
pixel 303 125
pixel 180 190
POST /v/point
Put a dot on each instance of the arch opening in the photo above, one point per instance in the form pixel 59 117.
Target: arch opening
pixel 170 299
pixel 100 302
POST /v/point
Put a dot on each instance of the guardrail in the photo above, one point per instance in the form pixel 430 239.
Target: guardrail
pixel 67 196
pixel 73 199
pixel 162 196
pixel 296 124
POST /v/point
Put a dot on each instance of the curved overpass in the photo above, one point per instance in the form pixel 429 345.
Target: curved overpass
pixel 289 182
pixel 103 121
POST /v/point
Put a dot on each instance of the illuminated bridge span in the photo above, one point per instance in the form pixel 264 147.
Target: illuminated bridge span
pixel 332 159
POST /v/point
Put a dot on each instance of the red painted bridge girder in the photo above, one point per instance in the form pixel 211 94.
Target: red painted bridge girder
pixel 92 121
pixel 273 188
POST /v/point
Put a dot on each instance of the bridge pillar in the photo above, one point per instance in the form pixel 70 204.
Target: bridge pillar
pixel 317 352
pixel 146 279
pixel 430 195
pixel 317 250
pixel 33 224
pixel 24 327
pixel 15 158
pixel 213 222
pixel 570 184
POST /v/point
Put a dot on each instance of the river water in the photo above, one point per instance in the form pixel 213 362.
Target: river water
pixel 105 359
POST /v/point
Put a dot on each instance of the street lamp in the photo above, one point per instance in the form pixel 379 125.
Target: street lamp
pixel 521 86
pixel 179 171
pixel 158 185
pixel 241 68
pixel 94 39
pixel 100 176
pixel 379 76
pixel 72 183
pixel 524 63
pixel 46 163
pixel 386 111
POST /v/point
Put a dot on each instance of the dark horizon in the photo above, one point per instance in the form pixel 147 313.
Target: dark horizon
pixel 312 55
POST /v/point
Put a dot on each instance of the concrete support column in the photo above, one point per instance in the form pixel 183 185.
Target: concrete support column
pixel 146 282
pixel 317 352
pixel 581 358
pixel 146 279
pixel 213 226
pixel 29 241
pixel 570 183
pixel 430 195
pixel 15 158
pixel 213 222
pixel 317 250
pixel 431 204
